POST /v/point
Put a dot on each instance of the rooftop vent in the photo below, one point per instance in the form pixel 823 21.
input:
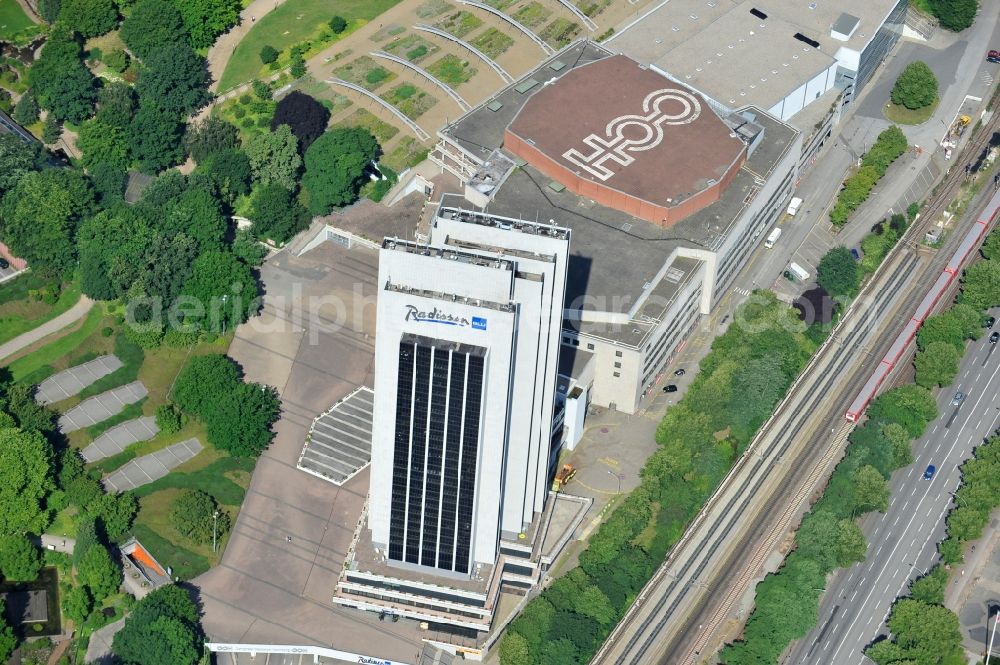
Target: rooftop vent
pixel 802 38
pixel 758 13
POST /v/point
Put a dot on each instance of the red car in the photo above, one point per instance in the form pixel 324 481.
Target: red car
pixel 993 56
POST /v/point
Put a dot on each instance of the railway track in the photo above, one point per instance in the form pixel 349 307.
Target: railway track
pixel 710 602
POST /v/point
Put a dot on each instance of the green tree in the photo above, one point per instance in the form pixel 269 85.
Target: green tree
pixel 169 418
pixel 594 604
pixel 90 18
pixel 202 380
pixel 230 171
pixel 991 246
pixel 7 639
pixel 116 105
pixel 930 587
pixel 207 19
pixel 51 129
pixel 49 10
pixel 26 112
pixel 61 81
pixel 955 15
pixel 277 214
pixel 26 465
pixel 902 444
pixel 77 603
pixel 83 491
pixel 981 285
pixel 196 213
pixel 103 144
pixel 196 515
pixel 115 513
pixel 916 87
pixel 116 60
pixel 98 573
pixel 274 157
pixel 162 629
pixel 247 248
pixel 17 158
pixel 298 63
pixel 338 24
pixel 922 633
pixel 936 365
pixel 150 25
pixel 174 79
pixel 155 138
pixel 40 216
pixel 335 167
pixel 268 54
pixel 18 400
pixel 239 422
pixel 225 289
pixel 871 491
pixel 910 406
pixel 211 136
pixel 838 273
pixel 20 560
pixel 514 650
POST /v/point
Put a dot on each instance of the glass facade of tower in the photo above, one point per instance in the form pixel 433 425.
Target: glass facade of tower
pixel 438 407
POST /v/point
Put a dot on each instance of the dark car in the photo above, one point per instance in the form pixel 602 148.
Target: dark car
pixel 994 338
pixel 679 372
pixel 958 398
pixel 4 263
pixel 929 472
pixel 856 254
pixel 670 388
pixel 993 56
pixel 989 321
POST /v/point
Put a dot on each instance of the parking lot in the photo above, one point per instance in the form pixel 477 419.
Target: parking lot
pixel 152 467
pixel 101 407
pixel 71 381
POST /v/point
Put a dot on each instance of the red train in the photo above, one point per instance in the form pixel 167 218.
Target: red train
pixel 953 270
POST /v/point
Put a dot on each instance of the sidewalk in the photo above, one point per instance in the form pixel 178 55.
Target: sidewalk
pixel 74 313
pixel 222 50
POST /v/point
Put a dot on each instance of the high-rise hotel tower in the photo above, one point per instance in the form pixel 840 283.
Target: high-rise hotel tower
pixel 465 377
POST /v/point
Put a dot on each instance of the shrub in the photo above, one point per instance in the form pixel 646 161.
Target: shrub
pixel 245 99
pixel 169 419
pixel 338 24
pixel 239 112
pixel 107 331
pixel 116 60
pixel 268 54
pixel 261 90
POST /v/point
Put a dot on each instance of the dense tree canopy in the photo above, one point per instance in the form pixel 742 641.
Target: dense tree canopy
pixel 90 18
pixel 922 634
pixel 910 406
pixel 230 171
pixel 7 639
pixel 202 380
pixel 274 157
pixel 916 87
pixel 210 136
pixel 152 24
pixel 981 285
pixel 224 288
pixel 174 78
pixel 955 15
pixel 336 164
pixel 838 273
pixel 26 464
pixel 207 19
pixel 937 365
pixel 16 159
pixel 26 112
pixel 116 105
pixel 277 214
pixel 197 515
pixel 306 117
pixel 239 422
pixel 40 216
pixel 61 81
pixel 103 144
pixel 20 560
pixel 155 138
pixel 162 630
pixel 98 572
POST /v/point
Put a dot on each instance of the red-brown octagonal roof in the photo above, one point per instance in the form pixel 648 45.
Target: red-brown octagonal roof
pixel 627 136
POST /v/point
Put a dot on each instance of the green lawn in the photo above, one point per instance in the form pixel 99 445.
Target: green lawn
pixel 382 131
pixel 13 20
pixel 290 23
pixel 19 317
pixel 903 116
pixel 48 354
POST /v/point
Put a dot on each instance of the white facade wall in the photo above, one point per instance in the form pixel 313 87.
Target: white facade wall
pixel 805 94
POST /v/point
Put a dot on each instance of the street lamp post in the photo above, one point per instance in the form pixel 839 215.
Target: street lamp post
pixel 215 523
pixel 989 649
pixel 618 477
pixel 225 296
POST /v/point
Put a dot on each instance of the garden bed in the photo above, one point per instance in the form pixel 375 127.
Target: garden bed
pixel 407 153
pixel 493 42
pixel 532 14
pixel 433 8
pixel 410 100
pixel 383 131
pixel 365 72
pixel 452 70
pixel 560 32
pixel 459 23
pixel 412 47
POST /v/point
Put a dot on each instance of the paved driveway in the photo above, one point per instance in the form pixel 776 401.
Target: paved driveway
pixel 152 467
pixel 101 407
pixel 71 381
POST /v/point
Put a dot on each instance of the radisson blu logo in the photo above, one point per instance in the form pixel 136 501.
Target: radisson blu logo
pixel 437 316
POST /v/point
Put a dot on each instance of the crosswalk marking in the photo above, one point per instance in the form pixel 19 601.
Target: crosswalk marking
pixel 986 78
pixel 742 291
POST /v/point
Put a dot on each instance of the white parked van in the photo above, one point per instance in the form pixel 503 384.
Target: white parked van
pixel 773 238
pixel 794 206
pixel 800 273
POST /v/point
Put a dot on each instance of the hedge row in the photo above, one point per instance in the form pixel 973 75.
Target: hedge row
pixel 741 380
pixel 889 145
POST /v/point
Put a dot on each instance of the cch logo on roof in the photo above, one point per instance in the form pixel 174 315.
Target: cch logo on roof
pixel 633 133
pixel 435 315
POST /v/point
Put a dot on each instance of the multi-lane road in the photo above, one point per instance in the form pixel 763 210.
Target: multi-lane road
pixel 903 540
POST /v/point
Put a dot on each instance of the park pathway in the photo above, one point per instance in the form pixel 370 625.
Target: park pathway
pixel 74 313
pixel 222 50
